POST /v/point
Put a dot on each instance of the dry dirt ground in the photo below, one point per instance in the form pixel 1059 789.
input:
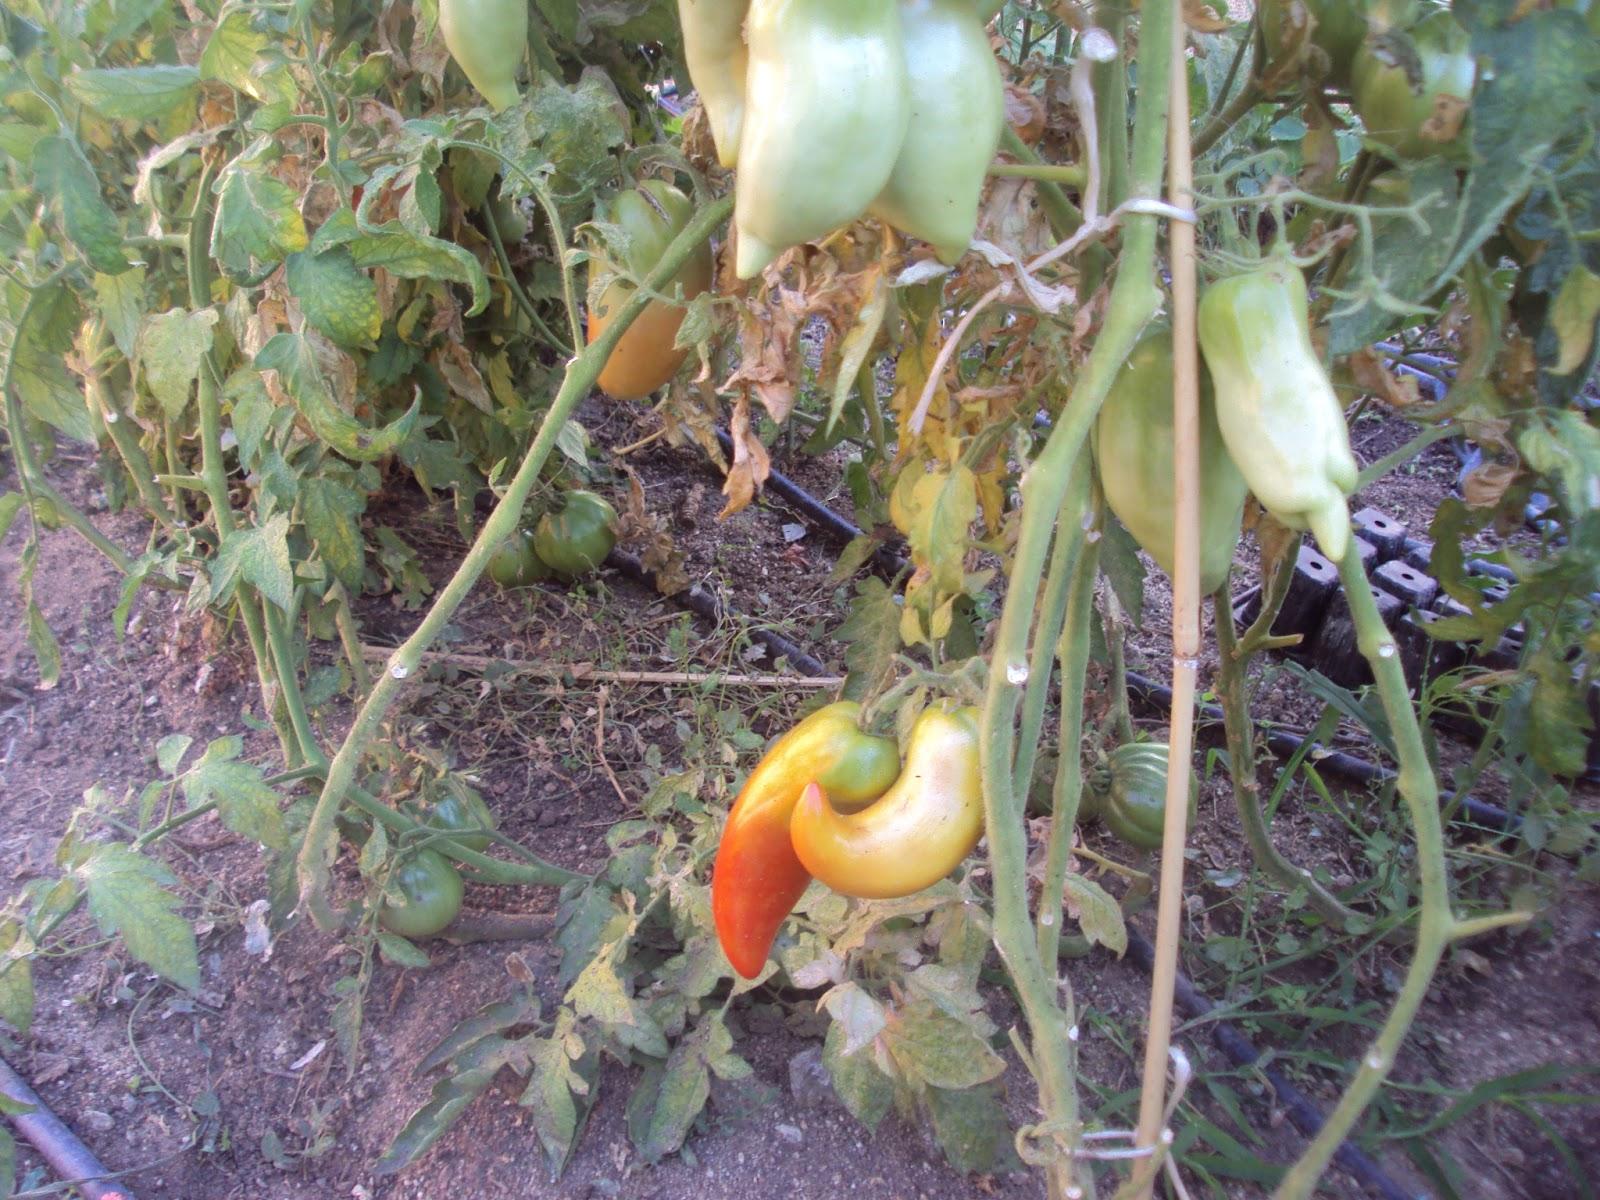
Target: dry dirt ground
pixel 202 1093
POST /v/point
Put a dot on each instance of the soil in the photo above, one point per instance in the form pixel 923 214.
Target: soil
pixel 238 1092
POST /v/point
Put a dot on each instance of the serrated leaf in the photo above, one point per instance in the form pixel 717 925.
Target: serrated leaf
pixel 1123 568
pixel 170 751
pixel 39 368
pixel 122 306
pixel 294 357
pixel 171 348
pixel 244 58
pixel 65 179
pixel 258 556
pixel 331 514
pixel 135 93
pixel 16 980
pixel 127 895
pixel 410 255
pixel 335 297
pixel 1532 87
pixel 1099 915
pixel 683 1091
pixel 938 1049
pixel 451 1095
pixel 599 994
pixel 491 1018
pixel 971 1126
pixel 561 1090
pixel 1559 723
pixel 871 631
pixel 258 222
pixel 857 1014
pixel 399 952
pixel 860 1086
pixel 244 801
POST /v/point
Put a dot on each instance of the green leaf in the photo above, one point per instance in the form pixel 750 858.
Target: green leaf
pixel 246 60
pixel 172 346
pixel 260 557
pixel 942 1051
pixel 474 1072
pixel 10 506
pixel 1564 447
pixel 331 512
pixel 258 222
pixel 684 1089
pixel 1406 259
pixel 128 895
pixel 335 297
pixel 1572 316
pixel 971 1126
pixel 860 1086
pixel 66 180
pixel 121 299
pixel 39 368
pixel 1099 915
pixel 244 801
pixel 562 1089
pixel 46 650
pixel 399 952
pixel 410 255
pixel 170 751
pixel 294 356
pixel 871 633
pixel 1559 722
pixel 135 93
pixel 16 979
pixel 1124 569
pixel 1532 88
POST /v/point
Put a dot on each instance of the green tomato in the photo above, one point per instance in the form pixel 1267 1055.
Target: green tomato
pixel 462 809
pixel 576 538
pixel 1134 807
pixel 430 890
pixel 1338 29
pixel 516 563
pixel 1407 85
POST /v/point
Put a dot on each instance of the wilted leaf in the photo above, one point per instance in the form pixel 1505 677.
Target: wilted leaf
pixel 128 895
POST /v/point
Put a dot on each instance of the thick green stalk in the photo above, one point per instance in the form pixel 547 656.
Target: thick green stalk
pixel 1436 924
pixel 1111 96
pixel 282 646
pixel 1134 299
pixel 533 873
pixel 1074 654
pixel 321 837
pixel 1242 767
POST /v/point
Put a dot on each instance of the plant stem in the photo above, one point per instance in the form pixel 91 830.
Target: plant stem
pixel 514 285
pixel 214 473
pixel 1116 630
pixel 1134 299
pixel 350 638
pixel 1185 625
pixel 1073 651
pixel 321 837
pixel 282 645
pixel 1070 174
pixel 1435 925
pixel 867 385
pixel 1111 101
pixel 1247 786
pixel 1046 633
pixel 117 429
pixel 1063 214
pixel 534 873
pixel 1249 96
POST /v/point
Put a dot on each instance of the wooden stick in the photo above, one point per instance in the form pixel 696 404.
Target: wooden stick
pixel 1185 629
pixel 588 671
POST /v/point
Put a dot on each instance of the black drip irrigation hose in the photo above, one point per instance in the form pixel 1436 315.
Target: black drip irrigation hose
pixel 70 1158
pixel 1306 1116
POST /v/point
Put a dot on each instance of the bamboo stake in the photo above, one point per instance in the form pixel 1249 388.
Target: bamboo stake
pixel 1185 627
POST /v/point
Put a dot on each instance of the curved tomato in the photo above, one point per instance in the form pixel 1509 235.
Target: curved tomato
pixel 430 896
pixel 928 820
pixel 516 563
pixel 461 811
pixel 576 538
pixel 487 38
pixel 1412 90
pixel 650 217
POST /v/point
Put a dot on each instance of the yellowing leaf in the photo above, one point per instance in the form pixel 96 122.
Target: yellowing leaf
pixel 1573 316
